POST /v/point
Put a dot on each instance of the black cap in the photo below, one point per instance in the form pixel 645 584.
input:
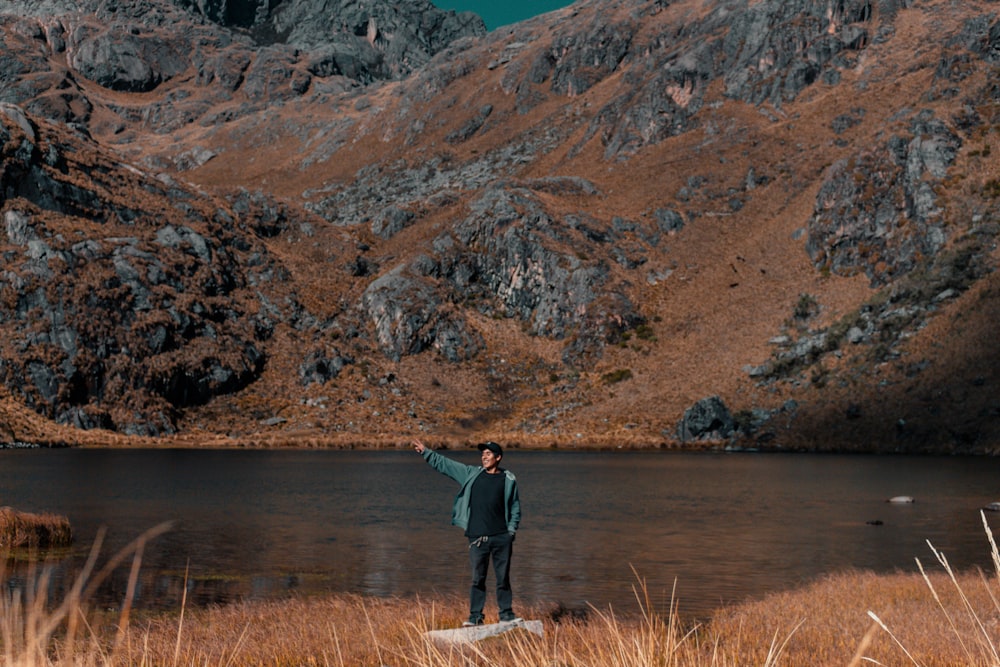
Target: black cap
pixel 492 446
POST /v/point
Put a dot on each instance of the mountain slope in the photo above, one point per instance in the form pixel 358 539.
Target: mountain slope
pixel 568 232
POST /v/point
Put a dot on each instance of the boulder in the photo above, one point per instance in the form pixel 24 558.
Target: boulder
pixel 408 318
pixel 708 419
pixel 322 366
pixel 390 221
pixel 118 59
pixel 17 115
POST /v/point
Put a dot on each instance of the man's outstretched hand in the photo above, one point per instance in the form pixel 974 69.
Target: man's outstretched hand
pixel 419 446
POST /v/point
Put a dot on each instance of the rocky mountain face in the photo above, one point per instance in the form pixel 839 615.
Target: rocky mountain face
pixel 750 224
pixel 127 314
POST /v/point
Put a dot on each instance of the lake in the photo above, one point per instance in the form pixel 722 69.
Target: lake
pixel 724 527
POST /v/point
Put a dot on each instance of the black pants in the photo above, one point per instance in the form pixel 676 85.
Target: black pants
pixel 481 550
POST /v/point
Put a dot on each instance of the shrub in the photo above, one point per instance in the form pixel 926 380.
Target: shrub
pixel 645 332
pixel 617 376
pixel 991 188
pixel 806 307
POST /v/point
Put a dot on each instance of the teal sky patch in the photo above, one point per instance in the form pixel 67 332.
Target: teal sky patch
pixel 497 14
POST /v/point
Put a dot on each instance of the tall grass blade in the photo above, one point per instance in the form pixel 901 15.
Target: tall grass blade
pixel 772 654
pixel 993 544
pixel 239 644
pixel 986 641
pixel 123 554
pixel 866 641
pixel 70 608
pixel 133 578
pixel 944 610
pixel 180 621
pixel 878 620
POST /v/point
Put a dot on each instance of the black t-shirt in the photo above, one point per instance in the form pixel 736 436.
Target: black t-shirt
pixel 486 510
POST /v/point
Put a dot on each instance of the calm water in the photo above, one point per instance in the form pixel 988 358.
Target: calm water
pixel 266 524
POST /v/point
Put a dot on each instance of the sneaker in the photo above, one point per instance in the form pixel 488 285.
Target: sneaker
pixel 472 622
pixel 511 619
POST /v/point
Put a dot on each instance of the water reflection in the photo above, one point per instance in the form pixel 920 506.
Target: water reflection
pixel 262 525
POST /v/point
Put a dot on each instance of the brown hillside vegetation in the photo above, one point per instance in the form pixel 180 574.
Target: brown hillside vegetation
pixel 823 274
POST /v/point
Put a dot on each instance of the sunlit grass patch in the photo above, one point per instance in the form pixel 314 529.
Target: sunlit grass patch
pixel 830 621
pixel 854 618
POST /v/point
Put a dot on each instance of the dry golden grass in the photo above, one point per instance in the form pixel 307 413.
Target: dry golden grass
pixel 828 621
pixel 824 624
pixel 928 619
pixel 19 530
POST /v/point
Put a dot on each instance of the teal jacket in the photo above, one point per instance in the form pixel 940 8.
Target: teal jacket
pixel 465 475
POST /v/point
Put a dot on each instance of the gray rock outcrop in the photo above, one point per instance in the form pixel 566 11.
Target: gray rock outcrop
pixel 124 61
pixel 121 330
pixel 509 258
pixel 708 419
pixel 878 211
pixel 409 318
pixel 268 51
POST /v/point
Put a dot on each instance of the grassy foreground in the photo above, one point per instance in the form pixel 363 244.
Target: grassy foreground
pixel 940 618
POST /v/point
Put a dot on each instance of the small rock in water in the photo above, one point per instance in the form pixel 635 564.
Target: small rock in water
pixel 899 500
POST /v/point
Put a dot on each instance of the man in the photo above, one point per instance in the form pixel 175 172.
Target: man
pixel 487 507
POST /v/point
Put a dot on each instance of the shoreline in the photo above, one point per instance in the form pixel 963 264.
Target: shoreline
pixel 224 443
